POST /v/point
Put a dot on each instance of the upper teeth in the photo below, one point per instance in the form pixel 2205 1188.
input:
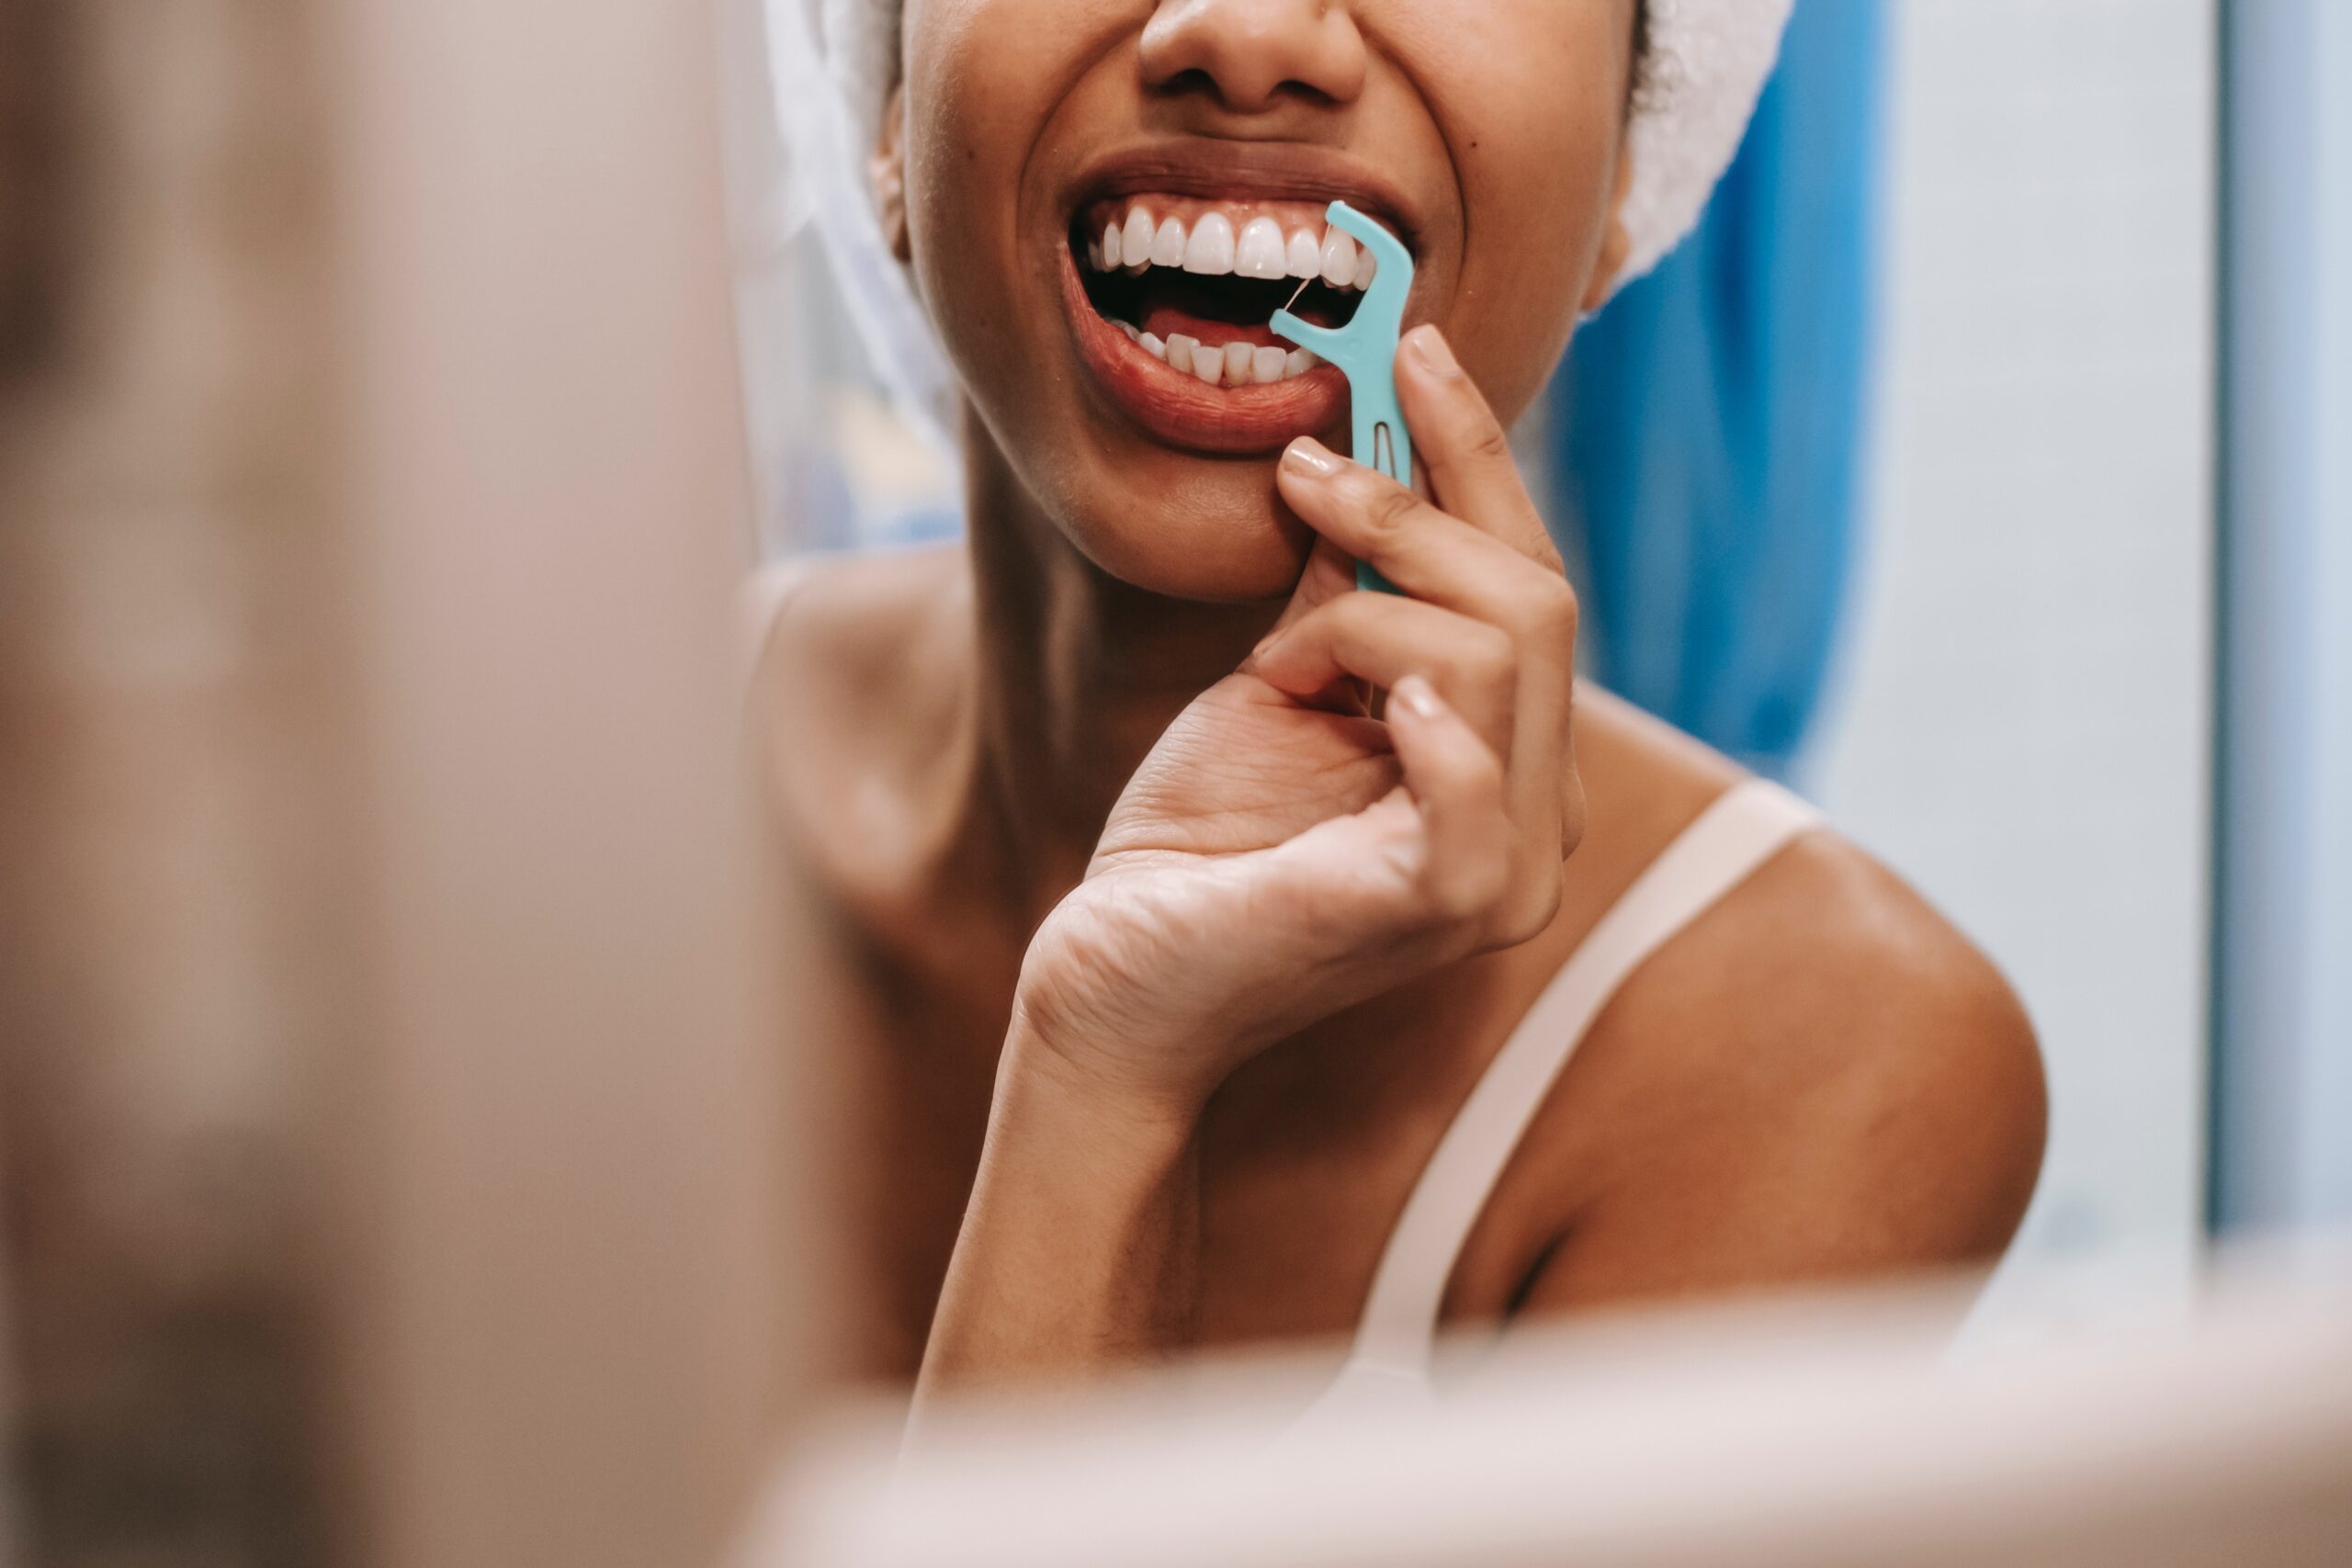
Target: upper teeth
pixel 1215 244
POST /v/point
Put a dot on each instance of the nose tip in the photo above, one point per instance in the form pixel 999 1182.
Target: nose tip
pixel 1254 53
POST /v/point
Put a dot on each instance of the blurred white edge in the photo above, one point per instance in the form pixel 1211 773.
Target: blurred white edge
pixel 1815 1431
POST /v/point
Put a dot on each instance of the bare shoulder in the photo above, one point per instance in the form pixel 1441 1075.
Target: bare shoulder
pixel 849 613
pixel 1821 1077
pixel 1900 1063
pixel 855 698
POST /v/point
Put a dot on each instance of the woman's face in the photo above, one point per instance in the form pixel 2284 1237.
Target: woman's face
pixel 1211 135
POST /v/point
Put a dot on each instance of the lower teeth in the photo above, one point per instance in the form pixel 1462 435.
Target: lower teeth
pixel 1230 364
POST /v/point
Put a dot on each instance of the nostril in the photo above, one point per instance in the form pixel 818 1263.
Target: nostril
pixel 1303 92
pixel 1222 89
pixel 1193 82
pixel 1253 55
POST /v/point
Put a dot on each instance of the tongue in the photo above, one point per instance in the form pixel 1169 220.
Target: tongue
pixel 1165 321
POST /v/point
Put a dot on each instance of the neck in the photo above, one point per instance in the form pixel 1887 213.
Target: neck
pixel 1077 675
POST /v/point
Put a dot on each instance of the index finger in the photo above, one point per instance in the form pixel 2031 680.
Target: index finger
pixel 1463 446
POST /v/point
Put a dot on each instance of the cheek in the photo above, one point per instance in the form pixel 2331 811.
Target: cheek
pixel 983 77
pixel 966 120
pixel 1531 100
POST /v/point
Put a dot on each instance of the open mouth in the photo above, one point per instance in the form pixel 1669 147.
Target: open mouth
pixel 1172 294
pixel 1194 284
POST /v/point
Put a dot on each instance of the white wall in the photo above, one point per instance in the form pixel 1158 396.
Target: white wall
pixel 2023 726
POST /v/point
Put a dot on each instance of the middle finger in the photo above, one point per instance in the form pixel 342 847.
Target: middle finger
pixel 1382 638
pixel 1427 553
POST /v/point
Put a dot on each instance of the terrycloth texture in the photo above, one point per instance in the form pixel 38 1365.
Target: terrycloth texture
pixel 834 65
pixel 1708 62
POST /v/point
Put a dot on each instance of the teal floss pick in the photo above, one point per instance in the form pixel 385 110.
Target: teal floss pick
pixel 1365 352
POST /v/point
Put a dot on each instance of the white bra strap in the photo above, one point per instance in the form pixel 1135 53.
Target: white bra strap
pixel 1739 831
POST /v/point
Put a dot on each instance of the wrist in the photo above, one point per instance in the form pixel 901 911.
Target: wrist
pixel 1080 1239
pixel 1062 1095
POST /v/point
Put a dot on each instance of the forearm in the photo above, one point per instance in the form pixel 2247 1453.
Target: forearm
pixel 1080 1247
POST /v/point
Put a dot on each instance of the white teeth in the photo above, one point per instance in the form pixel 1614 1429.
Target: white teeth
pixel 1168 244
pixel 1233 365
pixel 1304 258
pixel 1259 253
pixel 1210 250
pixel 1339 258
pixel 1134 240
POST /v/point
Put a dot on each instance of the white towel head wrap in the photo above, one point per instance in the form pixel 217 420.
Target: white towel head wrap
pixel 835 60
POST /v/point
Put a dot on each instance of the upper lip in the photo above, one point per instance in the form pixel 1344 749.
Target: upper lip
pixel 1243 171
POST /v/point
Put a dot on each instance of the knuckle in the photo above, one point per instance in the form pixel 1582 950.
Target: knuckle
pixel 1482 776
pixel 1546 552
pixel 1573 813
pixel 1552 610
pixel 1483 665
pixel 1492 654
pixel 1485 440
pixel 1388 511
pixel 1347 615
pixel 1332 619
pixel 1523 912
pixel 1353 620
pixel 1468 889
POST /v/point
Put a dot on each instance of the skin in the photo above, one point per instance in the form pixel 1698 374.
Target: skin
pixel 1162 957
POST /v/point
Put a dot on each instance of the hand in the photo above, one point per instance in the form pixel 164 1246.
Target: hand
pixel 1282 852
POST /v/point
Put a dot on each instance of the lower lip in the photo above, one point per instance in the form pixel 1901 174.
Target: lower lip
pixel 1179 409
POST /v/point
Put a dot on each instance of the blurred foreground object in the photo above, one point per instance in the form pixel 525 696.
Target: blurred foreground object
pixel 175 850
pixel 391 1136
pixel 1839 1432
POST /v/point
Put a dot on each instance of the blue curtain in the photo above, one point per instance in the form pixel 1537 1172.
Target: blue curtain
pixel 1709 423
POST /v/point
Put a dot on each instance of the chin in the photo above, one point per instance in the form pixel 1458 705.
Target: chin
pixel 1218 534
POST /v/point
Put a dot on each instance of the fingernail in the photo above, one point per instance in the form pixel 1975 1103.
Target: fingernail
pixel 1428 346
pixel 1264 643
pixel 1308 455
pixel 1416 696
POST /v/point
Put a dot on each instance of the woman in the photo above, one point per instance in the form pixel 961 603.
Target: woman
pixel 1191 909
